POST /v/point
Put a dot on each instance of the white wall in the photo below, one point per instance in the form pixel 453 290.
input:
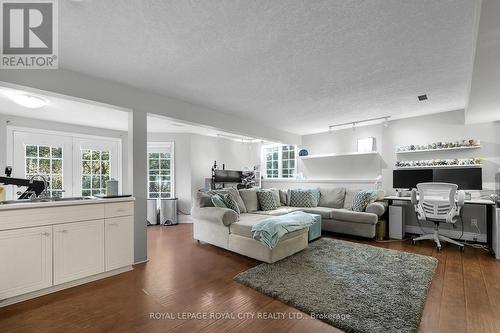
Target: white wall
pixel 446 126
pixel 195 155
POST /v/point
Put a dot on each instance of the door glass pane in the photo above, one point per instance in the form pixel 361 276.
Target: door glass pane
pixel 47 161
pixel 95 171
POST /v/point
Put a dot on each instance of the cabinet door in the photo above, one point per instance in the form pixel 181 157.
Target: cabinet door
pixel 25 260
pixel 78 250
pixel 119 242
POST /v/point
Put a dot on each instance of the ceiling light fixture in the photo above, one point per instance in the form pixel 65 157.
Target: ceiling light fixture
pixel 28 101
pixel 354 124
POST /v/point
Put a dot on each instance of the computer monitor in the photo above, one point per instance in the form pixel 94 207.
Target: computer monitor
pixel 465 178
pixel 408 179
pixel 228 176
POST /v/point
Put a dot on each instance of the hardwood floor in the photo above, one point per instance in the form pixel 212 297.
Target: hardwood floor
pixel 184 276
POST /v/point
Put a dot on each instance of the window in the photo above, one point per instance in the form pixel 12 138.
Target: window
pixel 280 161
pixel 95 171
pixel 46 161
pixel 160 170
pixel 74 166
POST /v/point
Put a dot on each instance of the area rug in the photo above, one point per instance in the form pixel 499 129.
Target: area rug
pixel 354 287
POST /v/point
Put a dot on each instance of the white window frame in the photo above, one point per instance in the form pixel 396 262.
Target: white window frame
pixel 280 161
pixel 71 154
pixel 114 149
pixel 163 147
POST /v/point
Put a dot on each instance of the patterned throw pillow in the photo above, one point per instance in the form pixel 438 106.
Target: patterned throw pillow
pixel 218 201
pixel 301 198
pixel 231 203
pixel 267 200
pixel 362 199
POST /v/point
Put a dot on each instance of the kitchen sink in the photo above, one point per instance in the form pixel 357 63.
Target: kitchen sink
pixel 54 199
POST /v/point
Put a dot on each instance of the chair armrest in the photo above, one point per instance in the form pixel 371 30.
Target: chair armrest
pixel 378 208
pixel 224 216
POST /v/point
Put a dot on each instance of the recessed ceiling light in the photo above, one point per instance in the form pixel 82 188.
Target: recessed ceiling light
pixel 422 98
pixel 29 101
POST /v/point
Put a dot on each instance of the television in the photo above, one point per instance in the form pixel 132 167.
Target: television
pixel 408 179
pixel 465 178
pixel 228 176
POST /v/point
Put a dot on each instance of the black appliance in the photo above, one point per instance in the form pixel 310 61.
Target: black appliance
pixel 228 176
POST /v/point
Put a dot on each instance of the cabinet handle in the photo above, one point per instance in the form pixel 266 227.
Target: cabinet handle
pixel 45 233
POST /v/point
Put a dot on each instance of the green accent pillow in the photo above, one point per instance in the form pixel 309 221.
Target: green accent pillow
pixel 362 199
pixel 301 198
pixel 218 201
pixel 267 200
pixel 231 203
pixel 316 195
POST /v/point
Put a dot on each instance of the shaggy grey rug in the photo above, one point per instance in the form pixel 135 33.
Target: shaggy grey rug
pixel 355 287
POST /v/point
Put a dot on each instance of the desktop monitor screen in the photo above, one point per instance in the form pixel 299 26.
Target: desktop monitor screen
pixel 465 178
pixel 228 176
pixel 408 179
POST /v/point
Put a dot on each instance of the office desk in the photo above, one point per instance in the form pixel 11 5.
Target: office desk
pixel 490 213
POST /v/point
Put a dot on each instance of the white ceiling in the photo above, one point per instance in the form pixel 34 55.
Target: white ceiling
pixel 297 65
pixel 70 111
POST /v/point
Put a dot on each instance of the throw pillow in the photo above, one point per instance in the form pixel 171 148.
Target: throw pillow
pixel 235 194
pixel 276 194
pixel 249 197
pixel 205 199
pixel 301 198
pixel 283 197
pixel 362 199
pixel 316 195
pixel 218 201
pixel 231 203
pixel 267 200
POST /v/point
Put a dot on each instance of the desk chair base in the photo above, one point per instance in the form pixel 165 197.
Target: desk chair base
pixel 437 238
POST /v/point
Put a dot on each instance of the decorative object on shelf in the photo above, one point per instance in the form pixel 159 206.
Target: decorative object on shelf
pixel 366 145
pixel 441 145
pixel 439 162
pixel 303 152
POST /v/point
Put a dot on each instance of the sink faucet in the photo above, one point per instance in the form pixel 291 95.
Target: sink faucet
pixel 44 194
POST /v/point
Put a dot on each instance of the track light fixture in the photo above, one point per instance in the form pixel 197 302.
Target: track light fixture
pixel 354 124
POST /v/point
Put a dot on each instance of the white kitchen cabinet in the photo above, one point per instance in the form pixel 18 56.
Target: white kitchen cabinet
pixel 25 260
pixel 119 242
pixel 78 250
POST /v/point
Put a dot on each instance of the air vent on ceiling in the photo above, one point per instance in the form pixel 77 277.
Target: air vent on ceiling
pixel 422 98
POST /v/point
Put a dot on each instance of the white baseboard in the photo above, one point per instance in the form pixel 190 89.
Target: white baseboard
pixel 454 234
pixel 53 289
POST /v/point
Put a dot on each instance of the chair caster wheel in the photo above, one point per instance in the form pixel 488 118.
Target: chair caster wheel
pixel 438 248
pixel 462 248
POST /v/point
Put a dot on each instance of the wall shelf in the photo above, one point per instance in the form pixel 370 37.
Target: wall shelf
pixel 440 166
pixel 436 150
pixel 310 157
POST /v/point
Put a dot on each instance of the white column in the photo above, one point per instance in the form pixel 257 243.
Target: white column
pixel 137 177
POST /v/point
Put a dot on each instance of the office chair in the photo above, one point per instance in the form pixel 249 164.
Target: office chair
pixel 436 203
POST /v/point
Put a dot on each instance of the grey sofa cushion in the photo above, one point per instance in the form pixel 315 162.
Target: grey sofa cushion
pixel 236 196
pixel 332 197
pixel 325 212
pixel 349 195
pixel 350 216
pixel 249 197
pixel 280 211
pixel 203 199
pixel 276 194
pixel 283 197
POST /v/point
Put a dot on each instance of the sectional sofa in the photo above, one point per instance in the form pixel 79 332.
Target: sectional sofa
pixel 223 227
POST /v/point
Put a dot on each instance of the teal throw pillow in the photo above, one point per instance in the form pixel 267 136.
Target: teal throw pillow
pixel 362 199
pixel 218 201
pixel 267 200
pixel 301 198
pixel 231 203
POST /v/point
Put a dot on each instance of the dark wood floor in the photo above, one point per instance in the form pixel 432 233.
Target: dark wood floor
pixel 184 276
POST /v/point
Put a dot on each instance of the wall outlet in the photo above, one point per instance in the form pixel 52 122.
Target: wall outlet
pixel 473 222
